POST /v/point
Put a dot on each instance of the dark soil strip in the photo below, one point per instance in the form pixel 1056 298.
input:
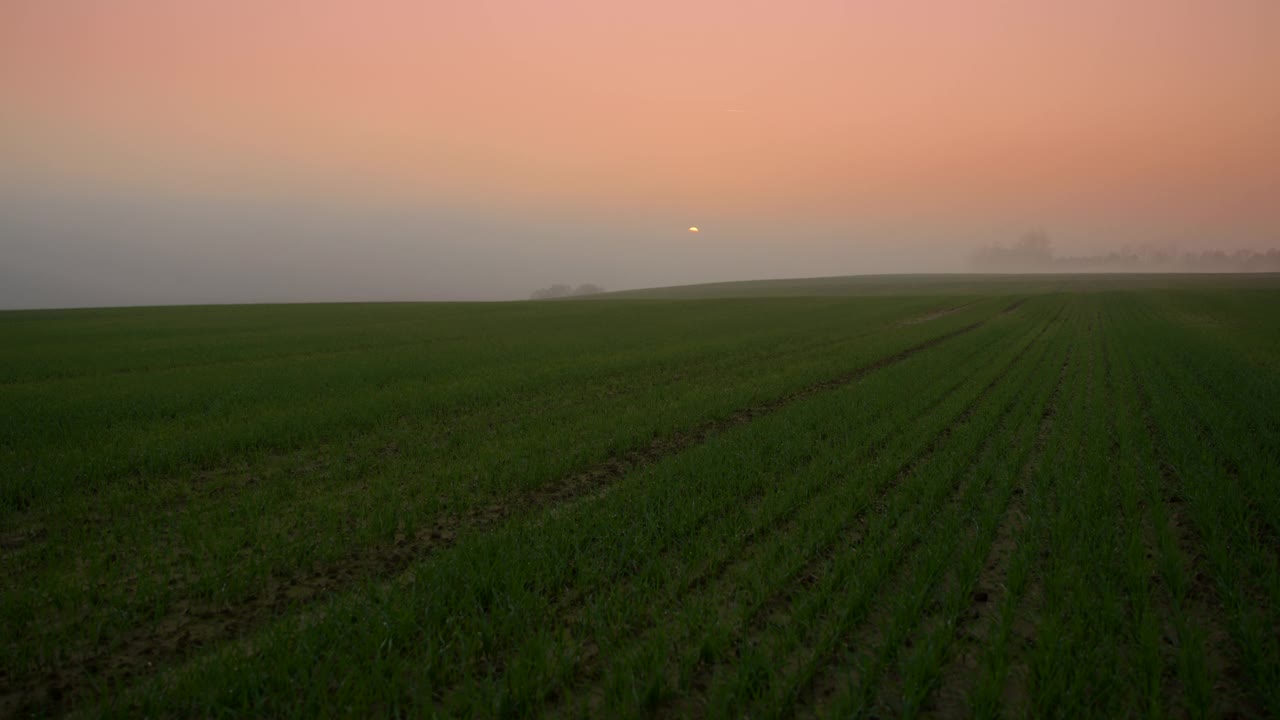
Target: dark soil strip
pixel 195 626
pixel 1162 601
pixel 936 314
pixel 1262 524
pixel 974 626
pixel 812 570
pixel 1015 693
pixel 1171 686
pixel 592 668
pixel 1202 607
pixel 819 565
pixel 809 575
pixel 1166 606
pixel 1013 307
pixel 868 633
pixel 207 482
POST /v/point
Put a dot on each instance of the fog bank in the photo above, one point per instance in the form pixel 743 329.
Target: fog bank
pixel 1034 253
pixel 69 247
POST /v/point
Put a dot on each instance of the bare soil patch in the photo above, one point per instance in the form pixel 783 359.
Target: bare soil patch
pixel 973 628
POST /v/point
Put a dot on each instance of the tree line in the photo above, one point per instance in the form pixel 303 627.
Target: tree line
pixel 561 291
pixel 1034 252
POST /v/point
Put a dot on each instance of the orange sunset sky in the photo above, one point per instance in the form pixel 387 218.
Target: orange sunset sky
pixel 484 148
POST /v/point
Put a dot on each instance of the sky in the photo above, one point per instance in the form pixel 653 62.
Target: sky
pixel 179 151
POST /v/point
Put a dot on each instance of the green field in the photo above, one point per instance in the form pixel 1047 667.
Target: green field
pixel 966 496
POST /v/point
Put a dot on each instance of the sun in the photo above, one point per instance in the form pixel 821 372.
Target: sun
pixel 693 229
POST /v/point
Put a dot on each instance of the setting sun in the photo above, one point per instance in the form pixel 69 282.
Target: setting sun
pixel 359 331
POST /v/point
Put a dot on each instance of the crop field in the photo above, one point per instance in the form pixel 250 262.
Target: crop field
pixel 1045 497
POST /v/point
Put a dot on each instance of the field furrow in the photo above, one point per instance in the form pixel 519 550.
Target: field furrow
pixel 997 583
pixel 620 625
pixel 450 666
pixel 1197 653
pixel 1002 685
pixel 1217 586
pixel 853 536
pixel 726 690
pixel 886 664
pixel 194 624
pixel 1044 497
pixel 789 505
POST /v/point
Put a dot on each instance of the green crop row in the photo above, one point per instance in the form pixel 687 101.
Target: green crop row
pixel 491 378
pixel 1216 447
pixel 508 581
pixel 1064 505
pixel 272 520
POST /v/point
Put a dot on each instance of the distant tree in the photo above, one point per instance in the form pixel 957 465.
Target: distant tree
pixel 550 293
pixel 560 290
pixel 1033 252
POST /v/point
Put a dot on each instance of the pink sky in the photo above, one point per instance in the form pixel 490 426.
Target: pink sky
pixel 969 112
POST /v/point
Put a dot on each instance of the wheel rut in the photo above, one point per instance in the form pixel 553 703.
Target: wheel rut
pixel 807 574
pixel 864 642
pixel 758 618
pixel 1200 602
pixel 992 590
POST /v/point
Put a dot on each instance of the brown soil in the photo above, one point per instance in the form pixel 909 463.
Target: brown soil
pixel 1204 610
pixel 1023 631
pixel 775 609
pixel 592 670
pixel 869 634
pixel 973 628
pixel 17 539
pixel 809 574
pixel 1202 606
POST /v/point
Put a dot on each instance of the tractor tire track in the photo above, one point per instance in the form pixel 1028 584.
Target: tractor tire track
pixel 206 482
pixel 757 620
pixel 942 312
pixel 1015 692
pixel 972 631
pixel 806 574
pixel 1202 606
pixel 714 570
pixel 1152 516
pixel 868 632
